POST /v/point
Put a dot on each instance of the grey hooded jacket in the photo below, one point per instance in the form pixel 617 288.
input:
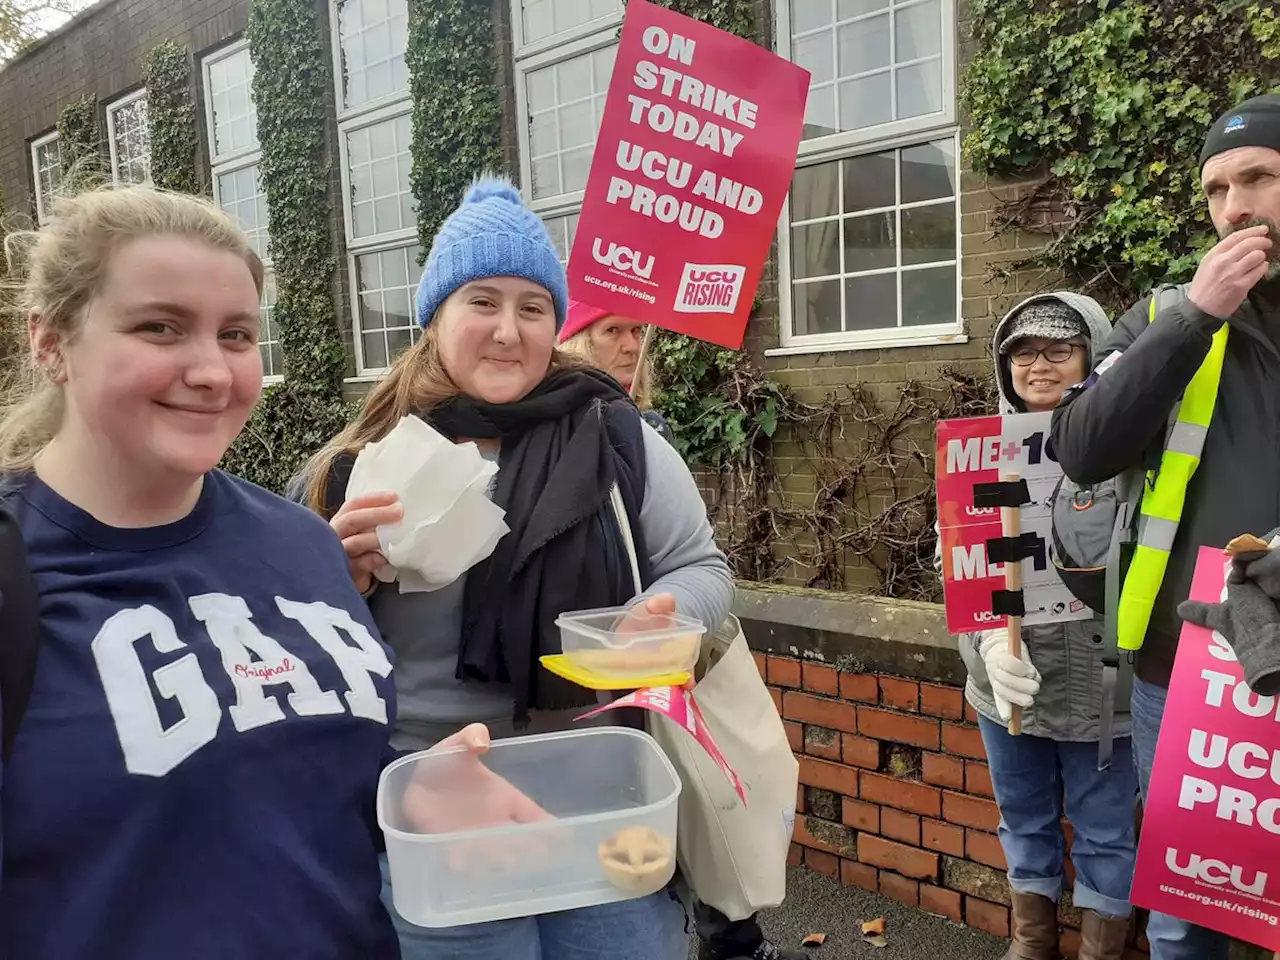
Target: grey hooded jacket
pixel 1068 656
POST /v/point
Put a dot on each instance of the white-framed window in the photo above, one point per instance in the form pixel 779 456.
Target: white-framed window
pixel 564 54
pixel 375 137
pixel 869 242
pixel 231 120
pixel 129 139
pixel 46 173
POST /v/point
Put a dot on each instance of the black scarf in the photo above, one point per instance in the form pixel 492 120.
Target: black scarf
pixel 556 468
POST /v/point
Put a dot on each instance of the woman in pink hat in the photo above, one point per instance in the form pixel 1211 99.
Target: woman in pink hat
pixel 612 343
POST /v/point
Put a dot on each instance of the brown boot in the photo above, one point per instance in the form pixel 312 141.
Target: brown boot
pixel 1102 938
pixel 1035 928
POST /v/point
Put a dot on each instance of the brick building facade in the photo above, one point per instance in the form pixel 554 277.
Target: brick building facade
pixel 881 275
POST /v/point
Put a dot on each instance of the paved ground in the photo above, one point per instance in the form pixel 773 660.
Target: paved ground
pixel 818 904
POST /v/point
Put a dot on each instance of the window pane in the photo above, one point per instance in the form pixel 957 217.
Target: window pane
pixel 815 250
pixel 917 31
pixel 544 18
pixel 869 242
pixel 814 53
pixel 562 230
pixel 929 171
pixel 386 282
pixel 868 182
pixel 864 46
pixel 815 192
pixel 372 35
pixel 929 233
pixel 816 307
pixel 865 102
pixel 820 112
pixel 810 15
pixel 132 142
pixel 872 301
pixel 920 89
pixel 235 119
pixel 929 296
pixel 378 163
pixel 566 100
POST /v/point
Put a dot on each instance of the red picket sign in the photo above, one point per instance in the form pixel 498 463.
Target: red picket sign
pixel 695 155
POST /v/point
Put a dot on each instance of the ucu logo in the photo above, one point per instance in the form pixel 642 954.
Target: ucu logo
pixel 1215 872
pixel 623 259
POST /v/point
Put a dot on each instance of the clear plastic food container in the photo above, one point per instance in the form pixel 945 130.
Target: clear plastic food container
pixel 536 825
pixel 628 643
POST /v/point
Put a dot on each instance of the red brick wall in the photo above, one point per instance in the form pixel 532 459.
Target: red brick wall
pixel 895 795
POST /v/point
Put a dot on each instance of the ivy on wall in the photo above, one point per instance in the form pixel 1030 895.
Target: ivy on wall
pixel 1113 103
pixel 292 86
pixel 171 118
pixel 457 112
pixel 80 144
pixel 735 16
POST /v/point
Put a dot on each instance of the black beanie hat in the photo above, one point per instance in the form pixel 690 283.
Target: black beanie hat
pixel 1254 123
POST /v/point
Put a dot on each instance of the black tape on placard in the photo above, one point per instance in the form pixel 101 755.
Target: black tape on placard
pixel 1008 603
pixel 1005 493
pixel 1012 549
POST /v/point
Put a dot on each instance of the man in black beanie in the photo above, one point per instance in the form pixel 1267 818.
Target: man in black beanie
pixel 1118 421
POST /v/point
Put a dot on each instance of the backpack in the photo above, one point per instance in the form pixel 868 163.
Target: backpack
pixel 1093 523
pixel 1094 531
pixel 19 630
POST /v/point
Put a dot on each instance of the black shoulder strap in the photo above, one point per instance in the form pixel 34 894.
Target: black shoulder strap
pixel 19 630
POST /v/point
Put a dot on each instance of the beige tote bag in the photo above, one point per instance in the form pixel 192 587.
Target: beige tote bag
pixel 734 856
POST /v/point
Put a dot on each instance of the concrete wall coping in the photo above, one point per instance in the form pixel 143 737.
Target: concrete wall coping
pixel 851 631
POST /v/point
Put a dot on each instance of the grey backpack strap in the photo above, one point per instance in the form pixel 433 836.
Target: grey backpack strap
pixel 1117 667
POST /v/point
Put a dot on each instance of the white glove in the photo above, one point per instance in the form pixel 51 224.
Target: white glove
pixel 1013 680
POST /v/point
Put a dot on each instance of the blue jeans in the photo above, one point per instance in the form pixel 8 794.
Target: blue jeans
pixel 651 928
pixel 1171 938
pixel 1031 776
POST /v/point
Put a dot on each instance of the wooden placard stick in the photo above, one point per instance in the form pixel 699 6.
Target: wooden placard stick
pixel 1011 528
pixel 642 356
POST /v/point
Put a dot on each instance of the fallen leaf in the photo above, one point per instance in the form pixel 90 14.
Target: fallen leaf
pixel 874 927
pixel 813 940
pixel 876 941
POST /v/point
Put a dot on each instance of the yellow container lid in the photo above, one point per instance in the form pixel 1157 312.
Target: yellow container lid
pixel 562 666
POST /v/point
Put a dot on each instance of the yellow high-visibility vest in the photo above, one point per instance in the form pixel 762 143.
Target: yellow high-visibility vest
pixel 1165 494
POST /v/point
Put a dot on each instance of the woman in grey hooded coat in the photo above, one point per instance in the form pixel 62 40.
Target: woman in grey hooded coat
pixel 1041 348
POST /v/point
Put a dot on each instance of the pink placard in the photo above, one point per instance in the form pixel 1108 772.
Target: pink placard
pixel 694 158
pixel 980 450
pixel 679 705
pixel 1210 849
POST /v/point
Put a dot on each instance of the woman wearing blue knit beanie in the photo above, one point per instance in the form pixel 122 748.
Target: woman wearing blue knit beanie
pixel 491 301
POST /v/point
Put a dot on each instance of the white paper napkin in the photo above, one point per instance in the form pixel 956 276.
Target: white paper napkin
pixel 449 524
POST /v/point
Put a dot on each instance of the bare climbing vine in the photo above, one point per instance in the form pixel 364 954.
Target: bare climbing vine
pixel 872 463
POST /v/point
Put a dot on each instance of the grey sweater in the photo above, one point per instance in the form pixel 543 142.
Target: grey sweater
pixel 425 629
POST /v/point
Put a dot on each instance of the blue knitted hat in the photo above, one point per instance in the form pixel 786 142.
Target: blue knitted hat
pixel 492 234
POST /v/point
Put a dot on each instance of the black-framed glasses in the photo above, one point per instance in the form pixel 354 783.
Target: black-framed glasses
pixel 1025 354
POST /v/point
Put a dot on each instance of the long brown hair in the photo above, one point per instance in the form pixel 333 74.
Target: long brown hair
pixel 65 265
pixel 416 383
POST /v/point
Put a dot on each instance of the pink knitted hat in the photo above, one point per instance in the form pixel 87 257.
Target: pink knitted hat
pixel 578 317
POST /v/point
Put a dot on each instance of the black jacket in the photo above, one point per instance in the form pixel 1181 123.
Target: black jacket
pixel 1115 420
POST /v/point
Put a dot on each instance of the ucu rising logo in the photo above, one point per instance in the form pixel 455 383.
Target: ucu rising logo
pixel 1215 872
pixel 623 259
pixel 709 288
